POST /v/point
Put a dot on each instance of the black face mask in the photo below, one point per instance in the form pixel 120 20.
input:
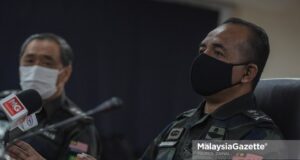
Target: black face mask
pixel 210 75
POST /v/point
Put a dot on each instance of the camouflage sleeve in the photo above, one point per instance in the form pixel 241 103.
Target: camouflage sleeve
pixel 151 151
pixel 274 151
pixel 263 127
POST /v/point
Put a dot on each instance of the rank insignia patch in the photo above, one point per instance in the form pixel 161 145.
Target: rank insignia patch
pixel 175 133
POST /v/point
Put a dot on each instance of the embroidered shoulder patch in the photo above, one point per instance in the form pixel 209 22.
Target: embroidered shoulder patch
pixel 258 115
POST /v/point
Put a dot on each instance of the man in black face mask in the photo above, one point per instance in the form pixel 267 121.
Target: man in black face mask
pixel 230 62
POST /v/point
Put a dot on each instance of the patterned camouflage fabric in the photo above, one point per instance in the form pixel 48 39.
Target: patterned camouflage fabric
pixel 239 119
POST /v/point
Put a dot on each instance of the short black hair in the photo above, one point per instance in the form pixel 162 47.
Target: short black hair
pixel 66 53
pixel 258 44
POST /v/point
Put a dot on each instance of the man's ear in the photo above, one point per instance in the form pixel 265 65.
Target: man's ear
pixel 250 73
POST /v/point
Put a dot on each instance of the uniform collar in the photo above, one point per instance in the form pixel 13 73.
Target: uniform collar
pixel 238 105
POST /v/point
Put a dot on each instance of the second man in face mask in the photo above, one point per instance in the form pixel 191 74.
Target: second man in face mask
pixel 46 66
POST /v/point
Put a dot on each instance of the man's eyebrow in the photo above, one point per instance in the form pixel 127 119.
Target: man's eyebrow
pixel 48 57
pixel 218 45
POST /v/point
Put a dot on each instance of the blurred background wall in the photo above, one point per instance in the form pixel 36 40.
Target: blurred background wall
pixel 280 19
pixel 141 51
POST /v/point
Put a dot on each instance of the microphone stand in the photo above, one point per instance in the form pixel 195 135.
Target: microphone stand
pixel 107 105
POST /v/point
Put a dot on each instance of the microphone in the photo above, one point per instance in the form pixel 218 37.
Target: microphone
pixel 108 105
pixel 17 106
pixel 14 109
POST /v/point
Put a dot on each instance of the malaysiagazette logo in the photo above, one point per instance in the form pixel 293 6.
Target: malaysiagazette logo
pixel 13 106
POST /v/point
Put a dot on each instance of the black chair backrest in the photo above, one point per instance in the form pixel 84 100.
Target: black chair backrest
pixel 280 99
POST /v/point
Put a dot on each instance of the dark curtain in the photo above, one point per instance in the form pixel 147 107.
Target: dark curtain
pixel 140 51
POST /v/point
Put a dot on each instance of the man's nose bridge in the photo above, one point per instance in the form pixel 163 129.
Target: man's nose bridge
pixel 38 62
pixel 208 51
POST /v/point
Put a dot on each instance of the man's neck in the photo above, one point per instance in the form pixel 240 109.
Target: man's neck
pixel 215 101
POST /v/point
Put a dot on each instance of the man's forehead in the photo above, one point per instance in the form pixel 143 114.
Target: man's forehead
pixel 218 30
pixel 232 29
pixel 37 43
pixel 42 47
pixel 229 31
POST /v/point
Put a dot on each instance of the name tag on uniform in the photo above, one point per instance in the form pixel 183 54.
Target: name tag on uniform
pixel 167 144
pixel 175 133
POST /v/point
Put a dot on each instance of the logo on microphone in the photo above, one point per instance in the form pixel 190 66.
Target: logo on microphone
pixel 29 121
pixel 13 106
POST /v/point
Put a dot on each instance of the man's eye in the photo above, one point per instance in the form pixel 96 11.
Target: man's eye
pixel 218 53
pixel 29 61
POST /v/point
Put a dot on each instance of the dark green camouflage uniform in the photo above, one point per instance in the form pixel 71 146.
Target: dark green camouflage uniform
pixel 239 119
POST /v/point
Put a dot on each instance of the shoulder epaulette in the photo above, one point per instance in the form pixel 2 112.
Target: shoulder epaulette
pixel 258 116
